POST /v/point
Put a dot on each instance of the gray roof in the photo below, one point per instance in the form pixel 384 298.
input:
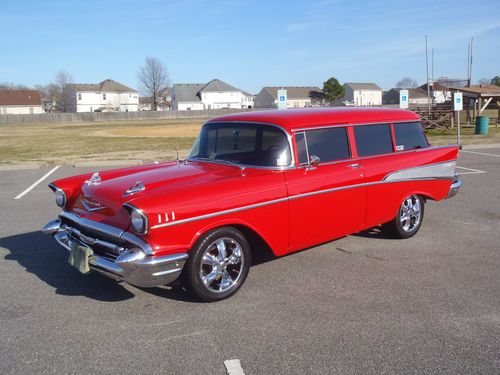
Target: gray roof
pixel 362 86
pixel 188 92
pixel 108 85
pixel 293 92
pixel 191 92
pixel 216 85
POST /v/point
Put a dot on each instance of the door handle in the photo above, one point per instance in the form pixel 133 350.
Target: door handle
pixel 354 165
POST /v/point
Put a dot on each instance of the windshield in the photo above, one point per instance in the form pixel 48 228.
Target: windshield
pixel 241 143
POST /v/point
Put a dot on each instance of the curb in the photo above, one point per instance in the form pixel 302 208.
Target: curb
pixel 106 163
pixel 15 167
pixel 475 147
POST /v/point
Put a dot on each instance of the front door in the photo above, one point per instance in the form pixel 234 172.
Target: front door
pixel 326 201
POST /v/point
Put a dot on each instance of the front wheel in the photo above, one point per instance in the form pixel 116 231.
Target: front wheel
pixel 408 219
pixel 218 264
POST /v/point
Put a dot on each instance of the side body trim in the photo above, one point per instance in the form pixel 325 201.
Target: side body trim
pixel 423 173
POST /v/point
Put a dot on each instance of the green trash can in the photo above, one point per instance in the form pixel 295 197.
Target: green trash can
pixel 482 123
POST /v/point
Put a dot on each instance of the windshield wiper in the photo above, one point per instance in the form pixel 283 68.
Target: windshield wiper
pixel 222 161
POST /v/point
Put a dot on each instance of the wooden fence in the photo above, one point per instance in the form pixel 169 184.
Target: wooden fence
pixel 55 118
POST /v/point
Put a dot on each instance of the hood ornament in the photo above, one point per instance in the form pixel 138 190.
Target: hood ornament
pixel 139 186
pixel 95 179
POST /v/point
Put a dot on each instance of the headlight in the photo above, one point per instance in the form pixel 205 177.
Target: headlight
pixel 138 221
pixel 60 198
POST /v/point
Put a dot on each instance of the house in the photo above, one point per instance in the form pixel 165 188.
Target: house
pixel 439 92
pixel 362 94
pixel 215 94
pixel 164 101
pixel 297 97
pixel 106 96
pixel 16 102
pixel 416 97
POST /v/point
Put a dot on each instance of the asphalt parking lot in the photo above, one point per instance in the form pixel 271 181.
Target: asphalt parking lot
pixel 363 304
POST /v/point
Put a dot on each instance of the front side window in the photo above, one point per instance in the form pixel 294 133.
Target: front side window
pixel 409 136
pixel 329 144
pixel 245 144
pixel 373 139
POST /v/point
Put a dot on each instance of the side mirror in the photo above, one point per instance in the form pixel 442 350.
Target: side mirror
pixel 314 161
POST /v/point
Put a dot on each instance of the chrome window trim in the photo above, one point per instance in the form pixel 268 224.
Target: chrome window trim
pixel 109 230
pixel 351 124
pixel 298 196
pixel 291 165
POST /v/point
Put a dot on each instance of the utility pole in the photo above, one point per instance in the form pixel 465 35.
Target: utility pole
pixel 432 65
pixel 427 73
pixel 470 69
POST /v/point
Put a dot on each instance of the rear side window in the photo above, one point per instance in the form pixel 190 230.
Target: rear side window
pixel 373 139
pixel 329 144
pixel 409 136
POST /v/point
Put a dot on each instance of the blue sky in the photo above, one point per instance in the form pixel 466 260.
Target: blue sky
pixel 248 44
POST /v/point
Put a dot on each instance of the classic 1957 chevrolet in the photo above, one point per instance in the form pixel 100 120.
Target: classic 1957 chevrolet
pixel 286 179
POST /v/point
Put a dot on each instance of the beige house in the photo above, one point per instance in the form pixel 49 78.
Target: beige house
pixel 416 97
pixel 362 94
pixel 18 102
pixel 106 96
pixel 297 97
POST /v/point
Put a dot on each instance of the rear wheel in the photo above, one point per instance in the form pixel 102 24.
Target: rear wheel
pixel 218 264
pixel 408 219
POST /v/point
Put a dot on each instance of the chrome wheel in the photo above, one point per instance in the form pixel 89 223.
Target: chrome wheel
pixel 410 213
pixel 221 265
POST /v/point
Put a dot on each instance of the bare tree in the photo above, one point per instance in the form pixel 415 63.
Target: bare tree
pixel 484 81
pixel 153 79
pixel 12 86
pixel 406 83
pixel 63 97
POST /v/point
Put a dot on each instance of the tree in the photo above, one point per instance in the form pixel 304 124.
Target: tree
pixel 484 81
pixel 406 83
pixel 495 81
pixel 153 79
pixel 13 86
pixel 332 90
pixel 61 92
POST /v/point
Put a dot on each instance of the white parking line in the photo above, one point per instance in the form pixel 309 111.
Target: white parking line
pixel 37 182
pixel 481 153
pixel 233 367
pixel 471 170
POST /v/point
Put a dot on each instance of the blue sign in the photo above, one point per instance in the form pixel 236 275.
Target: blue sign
pixel 282 98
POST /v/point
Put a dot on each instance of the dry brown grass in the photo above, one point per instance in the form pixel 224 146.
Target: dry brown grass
pixel 69 143
pixel 132 140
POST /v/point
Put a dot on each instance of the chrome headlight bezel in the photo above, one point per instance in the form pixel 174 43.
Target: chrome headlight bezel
pixel 138 219
pixel 60 196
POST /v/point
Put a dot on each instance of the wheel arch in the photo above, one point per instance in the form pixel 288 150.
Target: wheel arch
pixel 257 241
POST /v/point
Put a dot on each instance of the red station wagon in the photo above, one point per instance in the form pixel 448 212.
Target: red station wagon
pixel 286 179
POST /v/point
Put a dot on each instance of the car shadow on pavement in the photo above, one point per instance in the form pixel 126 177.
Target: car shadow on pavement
pixel 375 232
pixel 44 258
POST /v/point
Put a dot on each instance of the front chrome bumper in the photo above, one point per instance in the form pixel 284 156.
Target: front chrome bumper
pixel 455 186
pixel 124 258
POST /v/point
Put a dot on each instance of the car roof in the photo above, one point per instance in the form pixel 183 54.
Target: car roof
pixel 293 119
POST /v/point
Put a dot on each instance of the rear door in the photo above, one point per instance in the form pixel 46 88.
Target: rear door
pixel 326 201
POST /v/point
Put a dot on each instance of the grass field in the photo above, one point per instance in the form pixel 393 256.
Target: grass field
pixel 69 143
pixel 127 140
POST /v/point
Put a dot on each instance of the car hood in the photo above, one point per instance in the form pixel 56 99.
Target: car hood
pixel 103 201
